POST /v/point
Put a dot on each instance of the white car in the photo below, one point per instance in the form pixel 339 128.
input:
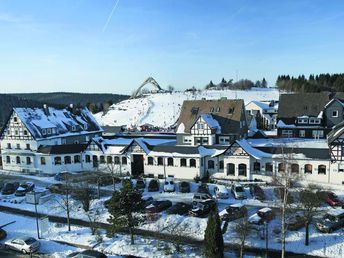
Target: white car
pixel 221 192
pixel 23 244
pixel 238 191
pixel 169 185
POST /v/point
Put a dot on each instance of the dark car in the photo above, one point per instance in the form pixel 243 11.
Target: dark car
pixel 153 186
pixel 233 212
pixel 161 205
pixel 296 221
pixel 88 254
pixel 202 209
pixel 140 184
pixel 179 208
pixel 184 187
pixel 329 197
pixel 257 192
pixel 24 188
pixel 203 188
pixel 10 188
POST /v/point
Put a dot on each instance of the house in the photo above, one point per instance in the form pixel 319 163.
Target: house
pixel 47 140
pixel 211 122
pixel 265 111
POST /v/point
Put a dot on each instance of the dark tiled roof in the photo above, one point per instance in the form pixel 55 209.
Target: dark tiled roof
pixel 228 113
pixel 311 153
pixel 62 149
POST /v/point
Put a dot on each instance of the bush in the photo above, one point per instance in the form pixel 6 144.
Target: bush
pixel 197 179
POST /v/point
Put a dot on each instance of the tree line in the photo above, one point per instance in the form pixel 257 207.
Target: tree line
pixel 314 83
pixel 243 84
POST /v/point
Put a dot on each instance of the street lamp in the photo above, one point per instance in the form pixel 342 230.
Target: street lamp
pixel 36 213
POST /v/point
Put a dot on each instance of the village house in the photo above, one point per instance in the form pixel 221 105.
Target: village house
pixel 264 112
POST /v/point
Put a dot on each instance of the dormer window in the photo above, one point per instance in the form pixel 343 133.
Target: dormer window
pixel 85 127
pixel 194 110
pixel 335 113
pixel 73 128
pixel 212 109
pixel 231 110
pixel 218 109
pixel 44 132
pixel 49 131
pixel 53 130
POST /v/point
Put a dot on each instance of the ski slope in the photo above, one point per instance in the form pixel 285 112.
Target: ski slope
pixel 162 109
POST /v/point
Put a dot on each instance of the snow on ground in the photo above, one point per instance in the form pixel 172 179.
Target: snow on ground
pixel 163 109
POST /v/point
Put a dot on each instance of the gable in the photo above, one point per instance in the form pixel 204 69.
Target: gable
pixel 236 150
pixel 16 129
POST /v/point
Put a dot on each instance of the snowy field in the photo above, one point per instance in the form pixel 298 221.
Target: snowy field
pixel 326 245
pixel 163 109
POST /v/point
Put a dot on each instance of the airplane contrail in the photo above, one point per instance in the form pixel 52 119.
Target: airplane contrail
pixel 110 16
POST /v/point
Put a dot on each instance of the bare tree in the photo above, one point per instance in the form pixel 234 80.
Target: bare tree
pixel 65 200
pixel 84 194
pixel 242 229
pixel 176 235
pixel 93 217
pixel 113 168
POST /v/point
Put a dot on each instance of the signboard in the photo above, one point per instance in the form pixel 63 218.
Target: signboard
pixel 44 226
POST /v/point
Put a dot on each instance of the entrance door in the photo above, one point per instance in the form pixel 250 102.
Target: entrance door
pixel 137 165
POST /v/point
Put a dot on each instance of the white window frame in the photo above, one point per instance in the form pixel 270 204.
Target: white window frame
pixel 302 133
pixel 335 113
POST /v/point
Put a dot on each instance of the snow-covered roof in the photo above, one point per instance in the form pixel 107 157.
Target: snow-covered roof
pixel 211 122
pixel 181 128
pixel 281 124
pixel 266 209
pixel 335 212
pixel 63 122
pixel 255 153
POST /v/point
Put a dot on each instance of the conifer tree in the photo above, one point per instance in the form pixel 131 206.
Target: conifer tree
pixel 213 240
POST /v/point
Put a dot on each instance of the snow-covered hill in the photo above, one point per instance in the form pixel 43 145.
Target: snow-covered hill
pixel 162 109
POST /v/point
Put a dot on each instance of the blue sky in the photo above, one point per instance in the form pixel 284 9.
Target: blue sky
pixel 65 45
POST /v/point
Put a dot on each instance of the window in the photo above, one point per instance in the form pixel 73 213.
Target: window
pixel 124 161
pixel 77 159
pixel 231 110
pixel 53 130
pixel 150 161
pixel 294 168
pixel 308 168
pixel 230 169
pixel 67 160
pixel 199 126
pixel 183 162
pixel 18 146
pixel 109 159
pixel 9 146
pixel 88 158
pixel 28 146
pixel 116 160
pixel 18 160
pixel 102 160
pixel 242 169
pixel 25 132
pixel 73 128
pixel 281 167
pixel 194 110
pixel 15 119
pixel 170 162
pixel 160 161
pixel 268 167
pixel 212 109
pixel 287 133
pixel 211 164
pixel 28 160
pixel 57 160
pixel 218 109
pixel 335 113
pixel 43 161
pixel 322 169
pixel 302 133
pixel 221 165
pixel 85 127
pixel 44 132
pixel 48 131
pixel 256 166
pixel 8 159
pixel 192 163
pixel 317 134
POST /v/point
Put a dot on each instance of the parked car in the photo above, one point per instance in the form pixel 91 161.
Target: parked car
pixel 10 188
pixel 169 185
pixel 201 197
pixel 140 184
pixel 179 208
pixel 56 188
pixel 233 212
pixel 88 254
pixel 332 220
pixel 329 197
pixel 238 191
pixel 202 209
pixel 203 188
pixel 153 185
pixel 147 201
pixel 24 188
pixel 221 192
pixel 23 244
pixel 263 215
pixel 257 192
pixel 184 187
pixel 296 221
pixel 161 205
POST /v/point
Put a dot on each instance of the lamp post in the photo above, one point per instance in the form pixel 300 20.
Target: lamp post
pixel 266 239
pixel 36 213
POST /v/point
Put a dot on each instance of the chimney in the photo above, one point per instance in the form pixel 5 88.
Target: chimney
pixel 46 109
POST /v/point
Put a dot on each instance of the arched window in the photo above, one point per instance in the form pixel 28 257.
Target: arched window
pixel 170 161
pixel 160 161
pixel 77 159
pixel 322 169
pixel 256 166
pixel 18 160
pixel 67 160
pixel 192 163
pixel 28 160
pixel 88 158
pixel 230 169
pixel 308 168
pixel 221 165
pixel 150 161
pixel 281 167
pixel 124 161
pixel 242 169
pixel 183 162
pixel 43 161
pixel 116 160
pixel 8 159
pixel 294 168
pixel 102 159
pixel 211 164
pixel 109 159
pixel 268 167
pixel 57 160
